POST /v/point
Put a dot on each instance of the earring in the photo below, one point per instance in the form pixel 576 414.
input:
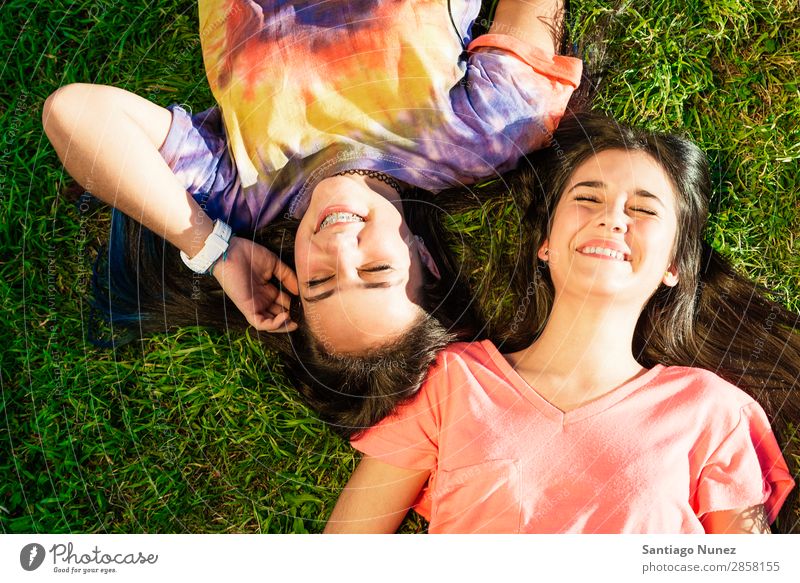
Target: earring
pixel 545 255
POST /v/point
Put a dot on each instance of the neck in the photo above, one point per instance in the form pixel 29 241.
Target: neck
pixel 375 175
pixel 583 345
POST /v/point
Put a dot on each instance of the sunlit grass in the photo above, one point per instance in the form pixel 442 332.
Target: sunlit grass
pixel 201 432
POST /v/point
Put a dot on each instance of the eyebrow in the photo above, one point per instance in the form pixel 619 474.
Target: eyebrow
pixel 329 293
pixel 597 184
pixel 647 194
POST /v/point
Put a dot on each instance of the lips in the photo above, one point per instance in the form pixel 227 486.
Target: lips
pixel 603 252
pixel 335 218
pixel 337 215
pixel 605 249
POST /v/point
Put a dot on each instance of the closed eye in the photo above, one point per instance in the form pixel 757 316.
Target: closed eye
pixel 315 282
pixel 372 269
pixel 644 210
pixel 587 198
pixel 376 268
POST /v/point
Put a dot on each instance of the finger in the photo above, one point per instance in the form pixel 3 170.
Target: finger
pixel 287 325
pixel 277 323
pixel 286 276
pixel 269 295
pixel 275 310
pixel 284 300
pixel 283 323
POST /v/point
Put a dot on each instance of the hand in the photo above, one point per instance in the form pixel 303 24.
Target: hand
pixel 751 520
pixel 245 274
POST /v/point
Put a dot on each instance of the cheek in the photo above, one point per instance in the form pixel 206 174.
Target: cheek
pixel 302 259
pixel 571 218
pixel 387 245
pixel 563 228
pixel 658 239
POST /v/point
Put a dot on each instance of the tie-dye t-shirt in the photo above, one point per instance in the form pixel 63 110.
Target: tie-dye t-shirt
pixel 309 89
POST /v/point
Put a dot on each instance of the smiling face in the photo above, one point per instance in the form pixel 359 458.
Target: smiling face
pixel 359 267
pixel 613 230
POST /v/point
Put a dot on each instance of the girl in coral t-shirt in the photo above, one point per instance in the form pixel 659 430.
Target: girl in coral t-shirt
pixel 573 433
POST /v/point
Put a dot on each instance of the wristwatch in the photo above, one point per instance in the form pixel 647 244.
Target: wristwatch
pixel 216 244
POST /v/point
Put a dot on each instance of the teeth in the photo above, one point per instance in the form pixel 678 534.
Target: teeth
pixel 340 217
pixel 603 251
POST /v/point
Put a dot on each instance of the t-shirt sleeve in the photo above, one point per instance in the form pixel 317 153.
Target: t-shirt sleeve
pixel 409 437
pixel 559 69
pixel 196 150
pixel 747 469
pixel 513 95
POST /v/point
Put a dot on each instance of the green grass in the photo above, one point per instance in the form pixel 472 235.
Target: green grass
pixel 200 432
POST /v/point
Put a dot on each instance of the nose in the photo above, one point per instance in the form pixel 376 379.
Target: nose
pixel 341 249
pixel 338 242
pixel 615 219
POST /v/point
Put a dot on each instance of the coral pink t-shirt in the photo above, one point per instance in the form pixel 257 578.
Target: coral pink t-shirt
pixel 652 456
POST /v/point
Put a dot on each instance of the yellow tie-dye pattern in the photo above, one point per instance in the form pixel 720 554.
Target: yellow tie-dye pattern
pixel 294 95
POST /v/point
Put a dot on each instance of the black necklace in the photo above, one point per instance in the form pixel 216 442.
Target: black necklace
pixel 385 178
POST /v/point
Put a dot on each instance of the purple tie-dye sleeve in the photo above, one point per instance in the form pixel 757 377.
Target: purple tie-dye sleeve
pixel 197 152
pixel 507 107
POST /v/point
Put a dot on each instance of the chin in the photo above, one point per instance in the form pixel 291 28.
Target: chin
pixel 597 289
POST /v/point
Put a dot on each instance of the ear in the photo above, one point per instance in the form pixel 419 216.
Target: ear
pixel 544 251
pixel 426 258
pixel 670 276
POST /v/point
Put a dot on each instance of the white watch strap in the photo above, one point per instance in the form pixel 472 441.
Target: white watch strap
pixel 216 244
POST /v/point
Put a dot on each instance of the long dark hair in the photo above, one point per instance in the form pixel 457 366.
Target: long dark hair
pixel 714 318
pixel 141 286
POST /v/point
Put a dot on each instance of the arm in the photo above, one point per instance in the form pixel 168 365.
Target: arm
pixel 534 22
pixel 376 498
pixel 752 520
pixel 108 140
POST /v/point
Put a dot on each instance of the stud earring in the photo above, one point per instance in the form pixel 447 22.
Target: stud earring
pixel 545 255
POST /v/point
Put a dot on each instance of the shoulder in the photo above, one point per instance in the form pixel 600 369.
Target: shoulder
pixel 505 50
pixel 712 403
pixel 462 367
pixel 703 383
pixel 466 356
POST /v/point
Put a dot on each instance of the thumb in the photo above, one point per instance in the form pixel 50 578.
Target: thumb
pixel 286 276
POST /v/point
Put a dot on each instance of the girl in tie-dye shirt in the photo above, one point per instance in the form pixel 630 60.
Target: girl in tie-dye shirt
pixel 329 113
pixel 309 89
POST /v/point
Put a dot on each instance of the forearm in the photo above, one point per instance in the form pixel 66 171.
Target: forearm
pixel 376 498
pixel 108 140
pixel 534 22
